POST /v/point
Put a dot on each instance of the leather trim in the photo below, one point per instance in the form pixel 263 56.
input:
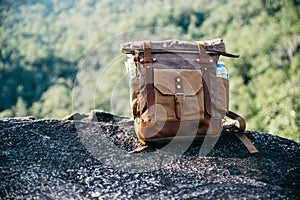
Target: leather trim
pixel 240 119
pixel 245 140
pixel 149 75
pixel 206 85
pixel 204 61
pixel 238 131
pixel 158 130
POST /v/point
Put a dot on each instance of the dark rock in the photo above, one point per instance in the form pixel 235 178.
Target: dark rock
pixel 73 159
pixel 76 116
pixel 101 116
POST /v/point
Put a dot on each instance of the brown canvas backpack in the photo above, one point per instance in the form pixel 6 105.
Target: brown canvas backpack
pixel 175 93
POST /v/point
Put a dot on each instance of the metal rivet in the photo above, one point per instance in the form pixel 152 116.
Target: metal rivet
pixel 154 59
pixel 198 60
pixel 178 80
pixel 178 86
pixel 141 60
pixel 205 68
pixel 148 67
pixel 211 60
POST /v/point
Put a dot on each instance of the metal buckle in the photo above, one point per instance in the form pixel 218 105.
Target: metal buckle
pixel 179 94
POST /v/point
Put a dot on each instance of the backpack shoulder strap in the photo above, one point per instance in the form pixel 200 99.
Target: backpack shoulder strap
pixel 239 131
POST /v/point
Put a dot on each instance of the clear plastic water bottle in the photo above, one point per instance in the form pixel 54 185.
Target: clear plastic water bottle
pixel 221 70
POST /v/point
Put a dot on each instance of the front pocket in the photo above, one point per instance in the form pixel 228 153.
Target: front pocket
pixel 179 93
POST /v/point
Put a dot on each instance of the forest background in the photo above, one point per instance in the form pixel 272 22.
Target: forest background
pixel 45 45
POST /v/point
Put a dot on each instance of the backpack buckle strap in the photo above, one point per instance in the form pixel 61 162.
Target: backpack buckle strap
pixel 179 99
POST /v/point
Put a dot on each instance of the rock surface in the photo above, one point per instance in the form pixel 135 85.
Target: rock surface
pixel 87 159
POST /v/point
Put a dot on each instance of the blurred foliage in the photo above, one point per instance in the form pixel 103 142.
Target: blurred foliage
pixel 45 45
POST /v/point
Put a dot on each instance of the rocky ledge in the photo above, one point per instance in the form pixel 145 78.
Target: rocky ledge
pixel 85 157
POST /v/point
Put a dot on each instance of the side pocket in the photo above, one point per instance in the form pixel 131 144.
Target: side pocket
pixel 134 97
pixel 222 95
pixel 226 85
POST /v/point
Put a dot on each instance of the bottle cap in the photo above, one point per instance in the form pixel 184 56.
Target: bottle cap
pixel 220 64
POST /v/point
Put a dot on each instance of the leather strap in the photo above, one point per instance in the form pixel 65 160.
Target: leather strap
pixel 204 61
pixel 240 119
pixel 245 140
pixel 202 43
pixel 179 97
pixel 149 74
pixel 239 132
pixel 206 86
pixel 204 57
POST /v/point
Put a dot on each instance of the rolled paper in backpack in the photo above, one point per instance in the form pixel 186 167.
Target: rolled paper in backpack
pixel 131 68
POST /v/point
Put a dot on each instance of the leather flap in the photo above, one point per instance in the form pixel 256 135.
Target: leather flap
pixel 169 81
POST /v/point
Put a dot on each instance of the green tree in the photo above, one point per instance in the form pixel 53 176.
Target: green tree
pixel 20 109
pixel 56 102
pixel 45 42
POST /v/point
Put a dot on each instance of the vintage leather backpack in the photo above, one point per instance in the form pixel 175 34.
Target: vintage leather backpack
pixel 175 93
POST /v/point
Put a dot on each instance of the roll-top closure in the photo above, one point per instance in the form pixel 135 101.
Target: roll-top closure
pixel 212 47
